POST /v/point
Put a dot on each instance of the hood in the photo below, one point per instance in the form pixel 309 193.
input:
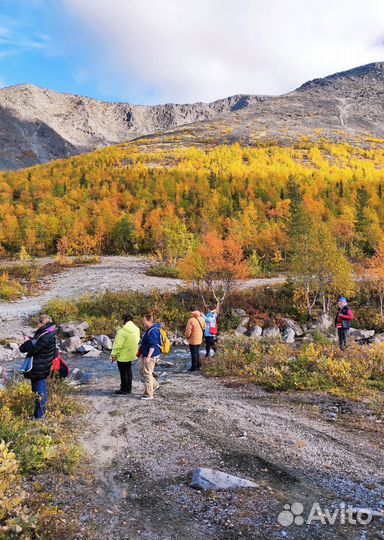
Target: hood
pixel 129 326
pixel 196 313
pixel 48 328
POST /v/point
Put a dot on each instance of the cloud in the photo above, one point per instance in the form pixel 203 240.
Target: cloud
pixel 16 37
pixel 190 50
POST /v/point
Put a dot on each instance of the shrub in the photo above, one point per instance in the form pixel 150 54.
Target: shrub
pixel 163 270
pixel 26 448
pixel 312 366
pixel 10 289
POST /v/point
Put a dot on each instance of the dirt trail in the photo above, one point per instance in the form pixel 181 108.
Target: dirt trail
pixel 143 454
pixel 114 273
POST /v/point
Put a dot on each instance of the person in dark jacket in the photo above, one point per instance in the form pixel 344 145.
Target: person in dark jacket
pixel 42 347
pixel 343 320
pixel 150 351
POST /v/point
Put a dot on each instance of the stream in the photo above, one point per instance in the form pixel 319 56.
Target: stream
pixel 98 368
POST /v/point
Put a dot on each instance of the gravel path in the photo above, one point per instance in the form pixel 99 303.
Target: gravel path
pixel 114 273
pixel 143 454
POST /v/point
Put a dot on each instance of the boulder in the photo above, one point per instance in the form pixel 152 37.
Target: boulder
pixel 271 332
pixel 210 479
pixel 71 344
pixel 379 338
pixel 256 332
pixel 241 330
pixel 104 342
pixel 72 329
pixel 295 327
pixel 357 334
pixel 289 335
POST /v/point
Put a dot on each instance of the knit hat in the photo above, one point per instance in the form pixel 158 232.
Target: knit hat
pixel 343 299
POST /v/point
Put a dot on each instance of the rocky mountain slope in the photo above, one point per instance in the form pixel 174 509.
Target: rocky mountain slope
pixel 346 106
pixel 38 125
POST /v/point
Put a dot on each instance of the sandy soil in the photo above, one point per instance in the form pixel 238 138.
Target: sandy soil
pixel 143 455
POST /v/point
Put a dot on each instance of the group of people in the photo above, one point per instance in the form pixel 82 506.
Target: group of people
pixel 128 346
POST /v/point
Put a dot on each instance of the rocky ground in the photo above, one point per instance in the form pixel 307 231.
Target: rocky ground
pixel 142 455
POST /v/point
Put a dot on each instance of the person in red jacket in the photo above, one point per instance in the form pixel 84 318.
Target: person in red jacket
pixel 343 320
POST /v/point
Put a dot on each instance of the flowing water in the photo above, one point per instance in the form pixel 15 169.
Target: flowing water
pixel 102 366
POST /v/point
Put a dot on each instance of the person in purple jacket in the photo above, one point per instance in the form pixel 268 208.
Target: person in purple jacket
pixel 43 349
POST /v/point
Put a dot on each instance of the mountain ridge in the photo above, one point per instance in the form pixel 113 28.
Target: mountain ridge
pixel 38 125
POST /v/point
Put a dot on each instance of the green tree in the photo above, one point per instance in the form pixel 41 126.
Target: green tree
pixel 319 269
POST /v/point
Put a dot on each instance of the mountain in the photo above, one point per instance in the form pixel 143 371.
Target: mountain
pixel 38 125
pixel 347 106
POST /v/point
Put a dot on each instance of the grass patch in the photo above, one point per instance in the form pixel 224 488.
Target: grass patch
pixel 29 448
pixel 162 270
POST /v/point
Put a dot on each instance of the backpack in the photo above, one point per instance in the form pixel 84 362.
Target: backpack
pixel 165 344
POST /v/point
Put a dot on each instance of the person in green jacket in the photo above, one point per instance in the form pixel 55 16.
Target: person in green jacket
pixel 124 350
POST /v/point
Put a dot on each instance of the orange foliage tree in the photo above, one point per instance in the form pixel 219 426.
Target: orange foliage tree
pixel 215 268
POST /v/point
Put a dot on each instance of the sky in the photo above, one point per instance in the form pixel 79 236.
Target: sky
pixel 159 51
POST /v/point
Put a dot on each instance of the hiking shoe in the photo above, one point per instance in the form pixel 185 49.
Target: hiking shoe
pixel 146 398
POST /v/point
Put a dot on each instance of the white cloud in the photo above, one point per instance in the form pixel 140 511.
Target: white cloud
pixel 189 50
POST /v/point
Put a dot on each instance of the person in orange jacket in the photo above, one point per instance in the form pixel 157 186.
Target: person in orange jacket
pixel 194 333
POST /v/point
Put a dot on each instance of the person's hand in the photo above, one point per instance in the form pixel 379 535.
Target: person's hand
pixel 25 338
pixel 113 359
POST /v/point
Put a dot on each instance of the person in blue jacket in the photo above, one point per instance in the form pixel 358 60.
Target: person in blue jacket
pixel 210 322
pixel 150 352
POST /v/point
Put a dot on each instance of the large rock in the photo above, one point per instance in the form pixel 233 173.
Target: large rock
pixel 74 329
pixel 271 332
pixel 289 335
pixel 104 342
pixel 357 334
pixel 210 479
pixel 295 327
pixel 379 338
pixel 71 344
pixel 242 329
pixel 256 332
